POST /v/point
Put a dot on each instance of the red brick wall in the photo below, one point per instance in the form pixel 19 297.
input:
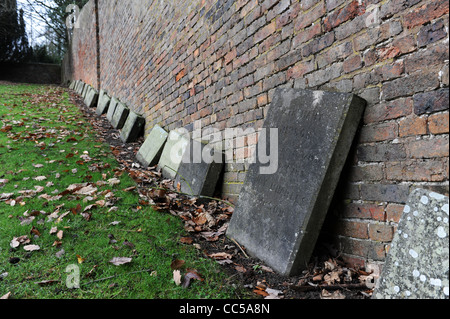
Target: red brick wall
pixel 84 47
pixel 219 62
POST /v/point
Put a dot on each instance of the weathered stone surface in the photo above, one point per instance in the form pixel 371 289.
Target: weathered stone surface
pixel 198 174
pixel 112 108
pixel 172 154
pixel 120 116
pixel 417 265
pixel 133 128
pixel 91 97
pixel 103 103
pixel 279 216
pixel 72 85
pixel 80 87
pixel 150 152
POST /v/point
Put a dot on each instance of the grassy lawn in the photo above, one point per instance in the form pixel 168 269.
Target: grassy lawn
pixel 62 189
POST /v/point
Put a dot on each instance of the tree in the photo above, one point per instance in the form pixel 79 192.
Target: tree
pixel 53 14
pixel 14 45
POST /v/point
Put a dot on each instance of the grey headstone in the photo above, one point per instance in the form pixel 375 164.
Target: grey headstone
pixel 173 153
pixel 112 108
pixel 200 169
pixel 80 87
pixel 417 265
pixel 91 98
pixel 103 103
pixel 120 116
pixel 132 128
pixel 72 85
pixel 150 152
pixel 282 205
pixel 86 88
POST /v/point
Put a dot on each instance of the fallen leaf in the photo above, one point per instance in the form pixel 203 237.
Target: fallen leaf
pixel 186 240
pixel 60 253
pixel 261 292
pixel 31 247
pixel 221 256
pixel 117 261
pixel 54 230
pixel 177 277
pixel 80 259
pixel 177 264
pixel 6 296
pixel 325 294
pixel 191 274
pixel 40 178
pixel 60 234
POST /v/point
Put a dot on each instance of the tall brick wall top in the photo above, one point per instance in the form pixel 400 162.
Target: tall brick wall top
pixel 219 62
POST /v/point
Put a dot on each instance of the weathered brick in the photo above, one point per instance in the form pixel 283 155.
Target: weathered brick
pixel 430 102
pixel 364 211
pixel 381 152
pixel 351 64
pixel 300 69
pixel 388 110
pixel 350 11
pixel 416 170
pixel 426 13
pixel 412 126
pixel 432 57
pixel 379 132
pixel 394 212
pixel 372 172
pixel 429 148
pixel 353 229
pixel 306 35
pixel 385 192
pixel 318 44
pixel 438 123
pixel 407 86
pixel 306 19
pixel 381 232
pixel 431 33
pixel 265 32
pixel 333 54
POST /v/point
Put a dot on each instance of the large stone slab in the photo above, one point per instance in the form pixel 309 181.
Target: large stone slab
pixel 112 108
pixel 200 169
pixel 150 152
pixel 282 205
pixel 133 128
pixel 72 85
pixel 103 103
pixel 120 116
pixel 417 265
pixel 172 154
pixel 91 97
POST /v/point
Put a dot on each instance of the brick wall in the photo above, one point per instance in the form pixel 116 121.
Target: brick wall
pixel 84 47
pixel 219 62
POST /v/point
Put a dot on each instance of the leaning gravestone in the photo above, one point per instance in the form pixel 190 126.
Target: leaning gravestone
pixel 91 98
pixel 172 154
pixel 417 265
pixel 112 108
pixel 103 103
pixel 120 116
pixel 200 169
pixel 150 152
pixel 132 128
pixel 282 205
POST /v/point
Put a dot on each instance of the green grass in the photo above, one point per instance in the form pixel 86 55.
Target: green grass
pixel 46 137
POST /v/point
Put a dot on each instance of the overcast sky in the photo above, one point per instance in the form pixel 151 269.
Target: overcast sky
pixel 35 26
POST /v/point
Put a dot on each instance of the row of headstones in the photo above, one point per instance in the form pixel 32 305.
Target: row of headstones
pixel 172 152
pixel 130 124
